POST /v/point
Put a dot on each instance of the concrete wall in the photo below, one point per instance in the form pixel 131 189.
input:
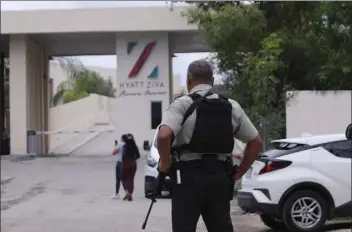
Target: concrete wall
pixel 134 95
pixel 318 113
pixel 81 115
pixel 139 19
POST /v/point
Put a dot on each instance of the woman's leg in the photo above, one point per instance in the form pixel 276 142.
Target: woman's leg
pixel 123 174
pixel 133 174
pixel 124 178
pixel 118 177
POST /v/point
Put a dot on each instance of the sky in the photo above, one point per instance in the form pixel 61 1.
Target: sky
pixel 180 62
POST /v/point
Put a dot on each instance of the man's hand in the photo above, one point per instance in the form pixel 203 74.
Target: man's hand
pixel 114 151
pixel 238 156
pixel 165 164
pixel 249 156
pixel 236 177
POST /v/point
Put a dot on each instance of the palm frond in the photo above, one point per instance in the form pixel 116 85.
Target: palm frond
pixel 58 96
pixel 73 67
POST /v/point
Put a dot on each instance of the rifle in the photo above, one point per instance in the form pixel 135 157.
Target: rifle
pixel 161 179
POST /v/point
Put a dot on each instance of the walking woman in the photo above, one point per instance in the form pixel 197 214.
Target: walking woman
pixel 129 165
pixel 118 151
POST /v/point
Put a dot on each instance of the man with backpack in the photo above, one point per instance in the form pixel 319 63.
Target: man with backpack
pixel 200 129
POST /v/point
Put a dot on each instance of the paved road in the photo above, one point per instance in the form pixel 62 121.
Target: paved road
pixel 73 194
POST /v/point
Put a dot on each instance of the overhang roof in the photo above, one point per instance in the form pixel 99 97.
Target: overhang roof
pixel 70 32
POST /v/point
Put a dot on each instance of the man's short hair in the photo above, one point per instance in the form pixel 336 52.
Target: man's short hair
pixel 200 70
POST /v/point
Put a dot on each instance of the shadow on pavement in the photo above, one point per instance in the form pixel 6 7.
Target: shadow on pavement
pixel 336 226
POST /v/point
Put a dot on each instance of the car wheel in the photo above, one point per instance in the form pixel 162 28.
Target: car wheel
pixel 272 222
pixel 305 211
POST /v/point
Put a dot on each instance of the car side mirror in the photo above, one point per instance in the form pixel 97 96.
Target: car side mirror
pixel 349 132
pixel 146 145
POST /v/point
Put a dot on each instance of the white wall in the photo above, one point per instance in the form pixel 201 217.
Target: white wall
pixel 80 115
pixel 318 113
pixel 107 19
pixel 133 103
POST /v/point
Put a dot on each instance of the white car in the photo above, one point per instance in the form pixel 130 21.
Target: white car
pixel 300 183
pixel 151 172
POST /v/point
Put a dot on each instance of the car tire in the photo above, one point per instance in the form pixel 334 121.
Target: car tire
pixel 308 197
pixel 272 222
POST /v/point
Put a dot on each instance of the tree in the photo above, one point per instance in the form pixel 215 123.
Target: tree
pixel 81 82
pixel 264 49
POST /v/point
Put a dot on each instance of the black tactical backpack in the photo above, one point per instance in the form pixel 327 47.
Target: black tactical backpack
pixel 213 131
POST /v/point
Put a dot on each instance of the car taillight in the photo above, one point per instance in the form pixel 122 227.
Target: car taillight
pixel 274 165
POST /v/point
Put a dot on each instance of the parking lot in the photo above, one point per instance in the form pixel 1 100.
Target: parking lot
pixel 73 194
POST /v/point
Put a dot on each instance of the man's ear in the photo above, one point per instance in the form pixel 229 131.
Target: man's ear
pixel 189 81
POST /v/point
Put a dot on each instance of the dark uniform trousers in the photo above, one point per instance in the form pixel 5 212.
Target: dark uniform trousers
pixel 204 190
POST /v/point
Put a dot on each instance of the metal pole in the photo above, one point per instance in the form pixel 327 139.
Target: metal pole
pixel 2 103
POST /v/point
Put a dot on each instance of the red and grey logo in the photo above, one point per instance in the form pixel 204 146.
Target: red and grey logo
pixel 142 59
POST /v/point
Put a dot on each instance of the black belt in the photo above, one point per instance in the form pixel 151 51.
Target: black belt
pixel 190 157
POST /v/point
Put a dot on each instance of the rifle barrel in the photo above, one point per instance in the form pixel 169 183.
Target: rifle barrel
pixel 161 179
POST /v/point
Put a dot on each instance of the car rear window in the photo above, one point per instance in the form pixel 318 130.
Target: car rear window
pixel 280 149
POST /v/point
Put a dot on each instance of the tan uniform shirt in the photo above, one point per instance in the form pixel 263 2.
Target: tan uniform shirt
pixel 174 116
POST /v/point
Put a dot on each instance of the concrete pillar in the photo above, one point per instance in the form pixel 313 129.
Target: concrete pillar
pixel 27 86
pixel 137 90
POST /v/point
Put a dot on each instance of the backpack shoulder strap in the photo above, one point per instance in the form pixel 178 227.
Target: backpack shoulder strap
pixel 196 100
pixel 223 97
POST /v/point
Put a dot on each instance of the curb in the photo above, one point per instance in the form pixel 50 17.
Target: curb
pixel 28 157
pixel 18 158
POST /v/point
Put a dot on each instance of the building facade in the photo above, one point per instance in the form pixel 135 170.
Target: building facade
pixel 142 44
